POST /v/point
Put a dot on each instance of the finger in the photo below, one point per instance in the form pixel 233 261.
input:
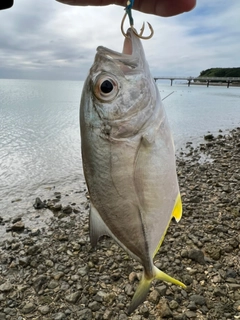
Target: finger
pixel 163 8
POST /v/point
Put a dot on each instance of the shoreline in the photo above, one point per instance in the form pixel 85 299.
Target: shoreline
pixel 52 273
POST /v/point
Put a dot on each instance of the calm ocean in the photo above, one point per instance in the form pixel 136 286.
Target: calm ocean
pixel 40 139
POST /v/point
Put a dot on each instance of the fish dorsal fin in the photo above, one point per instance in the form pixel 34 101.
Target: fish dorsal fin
pixel 177 210
pixel 97 226
pixel 177 214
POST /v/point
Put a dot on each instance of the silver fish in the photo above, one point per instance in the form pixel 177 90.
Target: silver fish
pixel 128 158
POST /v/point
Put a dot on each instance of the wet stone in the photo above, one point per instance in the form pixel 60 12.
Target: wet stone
pixel 39 204
pixel 209 137
pixel 18 226
pixel 196 255
pixel 197 299
pixel 187 279
pixel 59 316
pixel 190 314
pixel 192 306
pixel 94 306
pixel 9 312
pixel 24 261
pixel 154 296
pixel 7 286
pixel 173 304
pixel 164 309
pixel 16 219
pixel 28 308
pixel 129 290
pixel 231 273
pixel 123 317
pixel 85 314
pixel 2 316
pixel 73 297
pixel 136 317
pixel 67 209
pixel 56 207
pixel 44 310
pixel 161 290
pixel 83 271
pixel 53 284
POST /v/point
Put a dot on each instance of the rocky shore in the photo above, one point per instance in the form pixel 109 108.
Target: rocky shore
pixel 51 273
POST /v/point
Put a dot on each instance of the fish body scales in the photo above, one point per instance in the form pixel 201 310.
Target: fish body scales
pixel 128 158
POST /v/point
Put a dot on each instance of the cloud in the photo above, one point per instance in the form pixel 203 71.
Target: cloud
pixel 49 40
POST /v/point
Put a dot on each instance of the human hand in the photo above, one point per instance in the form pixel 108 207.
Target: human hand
pixel 164 8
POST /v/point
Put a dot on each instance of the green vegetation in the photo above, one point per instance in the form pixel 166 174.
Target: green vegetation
pixel 220 72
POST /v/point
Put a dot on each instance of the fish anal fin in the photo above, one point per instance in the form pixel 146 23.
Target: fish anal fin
pixel 97 226
pixel 177 210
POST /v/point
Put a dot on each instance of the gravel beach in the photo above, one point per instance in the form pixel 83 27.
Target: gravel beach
pixel 52 273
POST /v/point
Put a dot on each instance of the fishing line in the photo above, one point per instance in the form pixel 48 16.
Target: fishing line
pixel 167 96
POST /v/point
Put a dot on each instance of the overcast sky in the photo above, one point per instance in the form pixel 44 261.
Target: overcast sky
pixel 48 40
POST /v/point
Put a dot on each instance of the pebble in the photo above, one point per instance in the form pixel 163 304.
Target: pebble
pixel 85 314
pixel 173 304
pixel 6 286
pixel 28 308
pixel 197 299
pixel 196 255
pixel 73 297
pixel 44 309
pixel 2 316
pixel 18 226
pixel 190 314
pixel 164 310
pixel 67 209
pixel 154 297
pixel 59 316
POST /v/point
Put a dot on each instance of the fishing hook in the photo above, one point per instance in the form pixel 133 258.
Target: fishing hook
pixel 129 13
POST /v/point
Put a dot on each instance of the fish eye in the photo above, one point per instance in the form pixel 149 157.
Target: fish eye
pixel 105 88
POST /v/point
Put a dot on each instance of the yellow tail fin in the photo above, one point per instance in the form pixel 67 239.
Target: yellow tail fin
pixel 144 285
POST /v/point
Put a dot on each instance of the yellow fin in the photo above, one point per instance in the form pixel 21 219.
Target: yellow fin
pixel 141 293
pixel 160 275
pixel 177 214
pixel 144 285
pixel 177 210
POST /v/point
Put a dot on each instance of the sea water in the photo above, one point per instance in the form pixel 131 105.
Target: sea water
pixel 40 135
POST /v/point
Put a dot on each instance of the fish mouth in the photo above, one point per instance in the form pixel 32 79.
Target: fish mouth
pixel 132 55
pixel 129 43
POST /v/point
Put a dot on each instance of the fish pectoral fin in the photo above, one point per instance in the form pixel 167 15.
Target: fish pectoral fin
pixel 177 210
pixel 149 137
pixel 144 286
pixel 97 226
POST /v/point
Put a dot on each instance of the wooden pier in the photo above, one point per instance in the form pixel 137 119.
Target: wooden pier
pixel 208 80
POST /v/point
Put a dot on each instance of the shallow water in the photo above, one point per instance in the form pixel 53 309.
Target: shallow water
pixel 40 139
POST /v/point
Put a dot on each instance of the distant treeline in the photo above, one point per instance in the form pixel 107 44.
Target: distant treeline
pixel 220 72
